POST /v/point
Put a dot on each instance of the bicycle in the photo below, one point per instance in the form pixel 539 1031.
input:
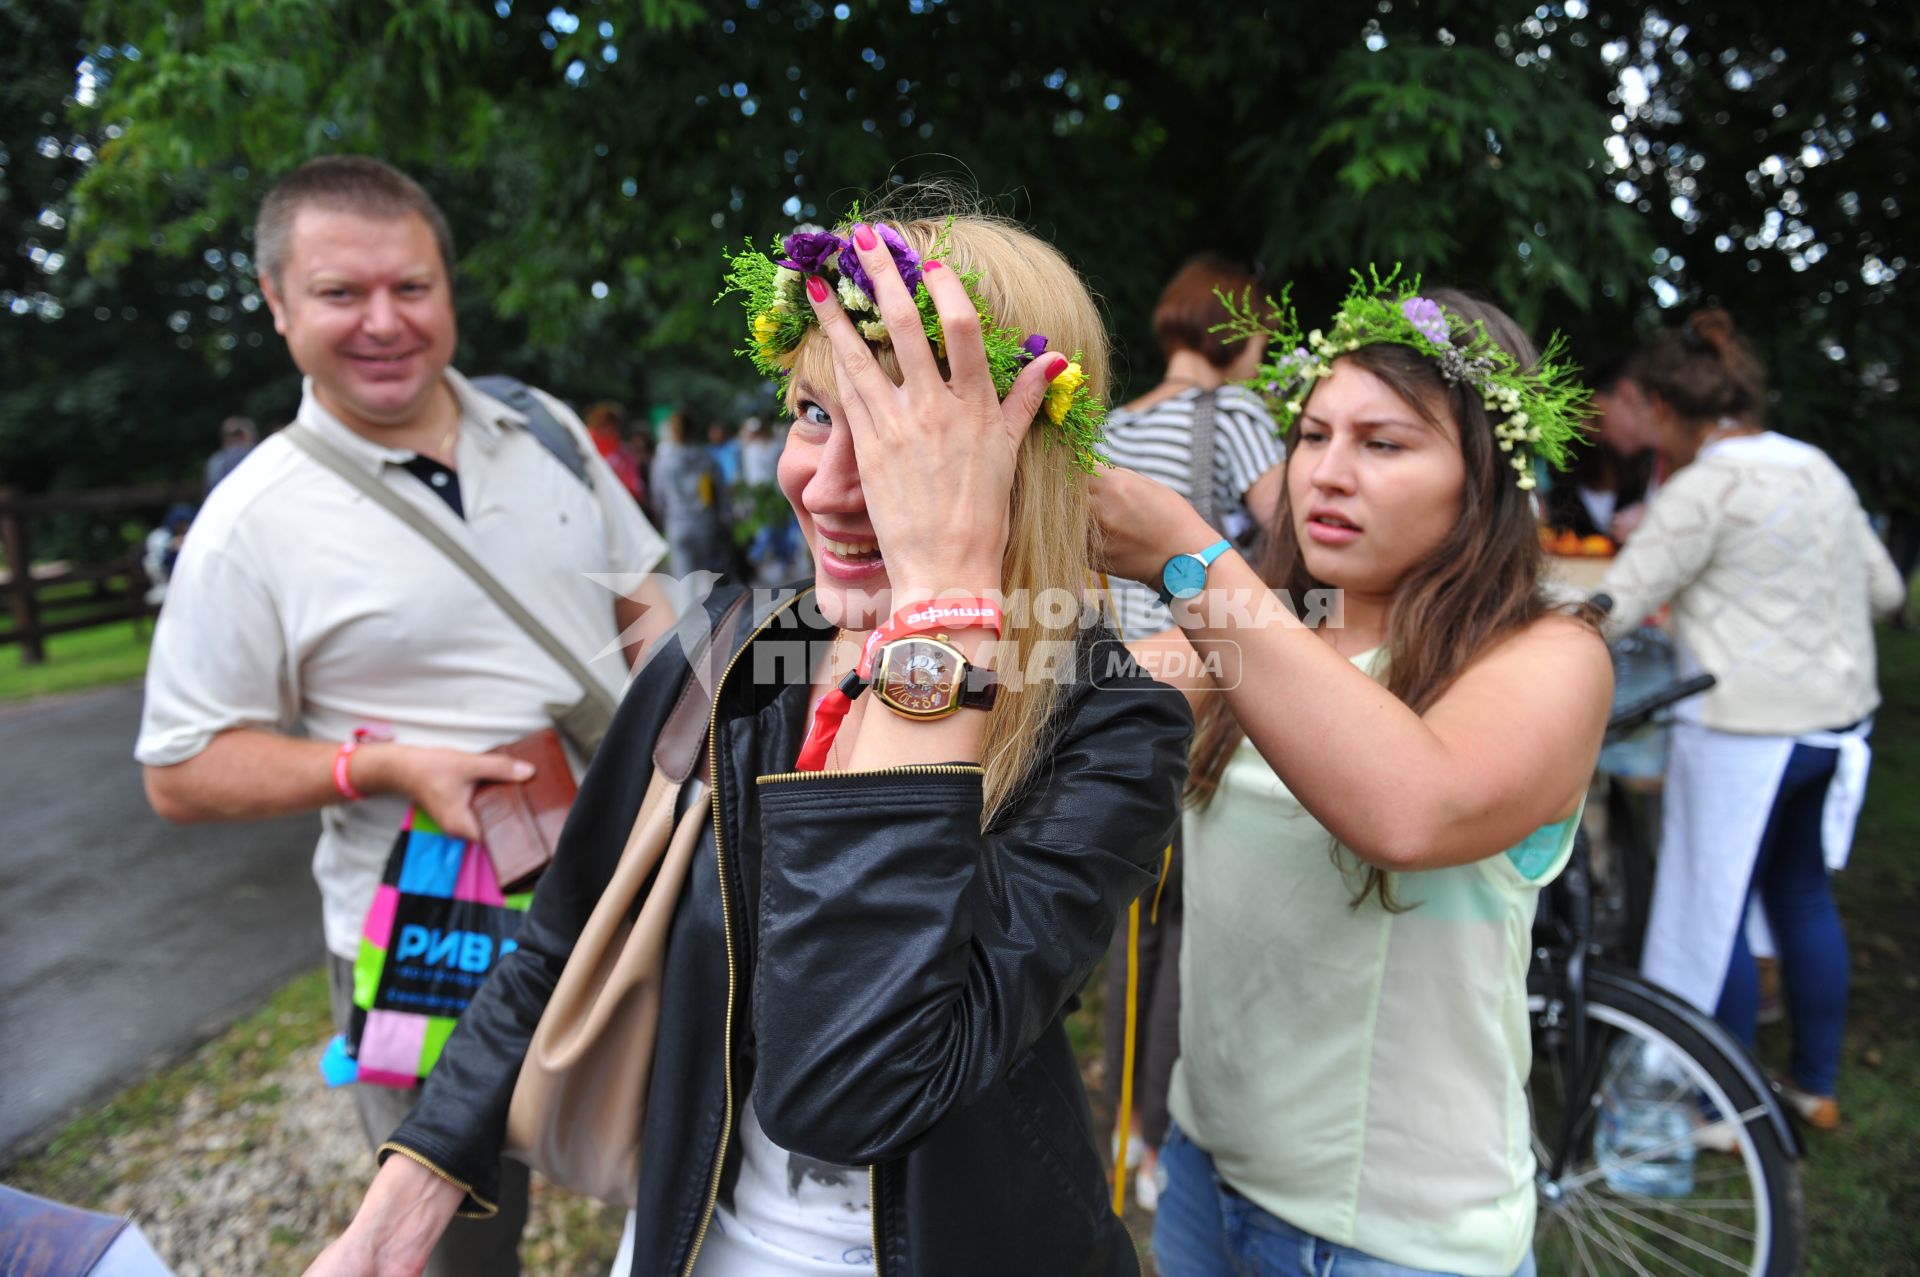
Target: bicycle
pixel 1592 1020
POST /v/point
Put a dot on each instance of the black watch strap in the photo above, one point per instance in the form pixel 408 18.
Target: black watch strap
pixel 979 688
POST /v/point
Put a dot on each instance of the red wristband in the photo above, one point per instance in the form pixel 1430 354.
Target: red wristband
pixel 362 735
pixel 940 614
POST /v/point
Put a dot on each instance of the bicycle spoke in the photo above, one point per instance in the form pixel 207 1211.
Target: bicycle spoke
pixel 1689 1213
pixel 1698 1247
pixel 1576 1230
pixel 1622 1252
pixel 1585 1236
pixel 1631 1240
pixel 1658 1150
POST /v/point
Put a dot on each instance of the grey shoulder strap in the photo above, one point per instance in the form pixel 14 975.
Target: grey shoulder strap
pixel 541 424
pixel 1201 459
pixel 333 459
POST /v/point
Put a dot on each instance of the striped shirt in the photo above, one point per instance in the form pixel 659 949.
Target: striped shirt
pixel 1158 442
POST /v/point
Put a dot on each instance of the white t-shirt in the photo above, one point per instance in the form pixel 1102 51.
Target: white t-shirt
pixel 789 1216
pixel 1158 442
pixel 298 605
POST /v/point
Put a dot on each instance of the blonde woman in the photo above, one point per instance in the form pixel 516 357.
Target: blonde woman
pixel 915 889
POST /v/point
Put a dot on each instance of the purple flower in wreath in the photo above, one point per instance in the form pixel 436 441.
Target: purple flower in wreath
pixel 1031 349
pixel 809 252
pixel 905 260
pixel 1427 319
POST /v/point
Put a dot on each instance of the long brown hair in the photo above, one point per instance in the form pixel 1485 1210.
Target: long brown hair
pixel 1481 585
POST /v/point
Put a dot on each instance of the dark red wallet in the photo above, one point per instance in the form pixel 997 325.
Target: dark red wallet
pixel 520 821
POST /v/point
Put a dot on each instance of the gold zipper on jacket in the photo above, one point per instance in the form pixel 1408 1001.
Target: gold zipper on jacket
pixel 488 1207
pixel 873 1212
pixel 925 769
pixel 726 923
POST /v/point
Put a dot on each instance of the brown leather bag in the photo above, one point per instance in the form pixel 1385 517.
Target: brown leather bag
pixel 579 1105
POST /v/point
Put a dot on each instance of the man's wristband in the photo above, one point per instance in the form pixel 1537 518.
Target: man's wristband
pixel 364 734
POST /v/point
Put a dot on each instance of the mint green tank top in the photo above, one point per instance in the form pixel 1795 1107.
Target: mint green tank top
pixel 1358 1073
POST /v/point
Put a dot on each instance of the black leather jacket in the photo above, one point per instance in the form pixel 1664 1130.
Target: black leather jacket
pixel 890 982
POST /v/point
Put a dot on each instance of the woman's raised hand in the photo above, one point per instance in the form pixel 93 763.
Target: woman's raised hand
pixel 936 454
pixel 1143 524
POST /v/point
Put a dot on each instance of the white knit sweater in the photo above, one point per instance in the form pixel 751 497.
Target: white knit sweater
pixel 1775 577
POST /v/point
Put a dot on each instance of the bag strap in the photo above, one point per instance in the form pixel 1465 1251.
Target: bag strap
pixel 1201 459
pixel 541 423
pixel 677 749
pixel 332 458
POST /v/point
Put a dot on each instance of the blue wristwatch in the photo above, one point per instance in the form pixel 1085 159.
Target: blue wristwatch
pixel 1186 574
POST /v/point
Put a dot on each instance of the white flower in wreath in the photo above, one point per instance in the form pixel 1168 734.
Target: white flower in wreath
pixel 851 297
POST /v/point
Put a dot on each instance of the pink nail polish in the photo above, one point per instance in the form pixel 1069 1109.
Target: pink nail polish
pixel 1058 366
pixel 932 263
pixel 863 237
pixel 816 288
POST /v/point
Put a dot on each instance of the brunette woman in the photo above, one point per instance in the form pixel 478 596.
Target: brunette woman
pixel 1381 789
pixel 1761 546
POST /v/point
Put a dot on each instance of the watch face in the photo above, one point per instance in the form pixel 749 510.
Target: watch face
pixel 1185 576
pixel 919 676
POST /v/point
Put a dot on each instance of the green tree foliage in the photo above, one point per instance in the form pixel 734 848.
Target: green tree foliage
pixel 595 158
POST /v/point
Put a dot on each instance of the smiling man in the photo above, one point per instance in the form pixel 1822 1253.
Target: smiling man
pixel 316 652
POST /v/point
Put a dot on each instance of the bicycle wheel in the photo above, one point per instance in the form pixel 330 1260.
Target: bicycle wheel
pixel 1744 1211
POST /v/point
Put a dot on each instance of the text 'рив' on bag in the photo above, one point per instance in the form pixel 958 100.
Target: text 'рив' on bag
pixel 438 925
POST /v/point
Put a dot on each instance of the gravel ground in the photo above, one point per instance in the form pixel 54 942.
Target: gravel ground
pixel 232 1170
pixel 262 1187
pixel 240 1160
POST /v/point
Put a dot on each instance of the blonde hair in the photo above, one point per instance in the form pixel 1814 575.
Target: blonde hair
pixel 1026 283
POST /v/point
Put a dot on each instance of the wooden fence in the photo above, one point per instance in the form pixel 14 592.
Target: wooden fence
pixel 119 585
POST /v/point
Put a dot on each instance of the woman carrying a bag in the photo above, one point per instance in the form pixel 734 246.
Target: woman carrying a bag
pixel 860 1061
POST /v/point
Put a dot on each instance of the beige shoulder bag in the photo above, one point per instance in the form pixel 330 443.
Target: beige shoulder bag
pixel 579 1105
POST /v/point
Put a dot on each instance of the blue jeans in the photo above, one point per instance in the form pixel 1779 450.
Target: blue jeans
pixel 1790 877
pixel 1202 1228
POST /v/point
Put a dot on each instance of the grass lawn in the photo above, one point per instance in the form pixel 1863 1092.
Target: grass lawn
pixel 115 653
pixel 111 653
pixel 1857 1177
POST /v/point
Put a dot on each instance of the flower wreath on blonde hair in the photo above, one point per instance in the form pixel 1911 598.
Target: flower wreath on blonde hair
pixel 778 317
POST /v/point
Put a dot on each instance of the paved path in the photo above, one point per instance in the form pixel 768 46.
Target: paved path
pixel 124 941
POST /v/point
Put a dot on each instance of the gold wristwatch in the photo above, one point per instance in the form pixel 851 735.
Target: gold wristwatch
pixel 924 676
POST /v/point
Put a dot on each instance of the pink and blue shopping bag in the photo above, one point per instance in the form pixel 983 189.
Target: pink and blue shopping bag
pixel 438 924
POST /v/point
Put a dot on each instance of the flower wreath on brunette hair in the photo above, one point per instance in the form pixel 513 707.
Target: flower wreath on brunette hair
pixel 1442 352
pixel 1539 406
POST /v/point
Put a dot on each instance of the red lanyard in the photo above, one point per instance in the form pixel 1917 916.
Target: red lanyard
pixel 958 614
pixel 827 716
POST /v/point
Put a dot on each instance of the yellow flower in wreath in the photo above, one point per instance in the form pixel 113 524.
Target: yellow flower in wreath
pixel 765 329
pixel 1060 393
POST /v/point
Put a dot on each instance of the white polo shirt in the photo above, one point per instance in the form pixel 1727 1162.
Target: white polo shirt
pixel 298 605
